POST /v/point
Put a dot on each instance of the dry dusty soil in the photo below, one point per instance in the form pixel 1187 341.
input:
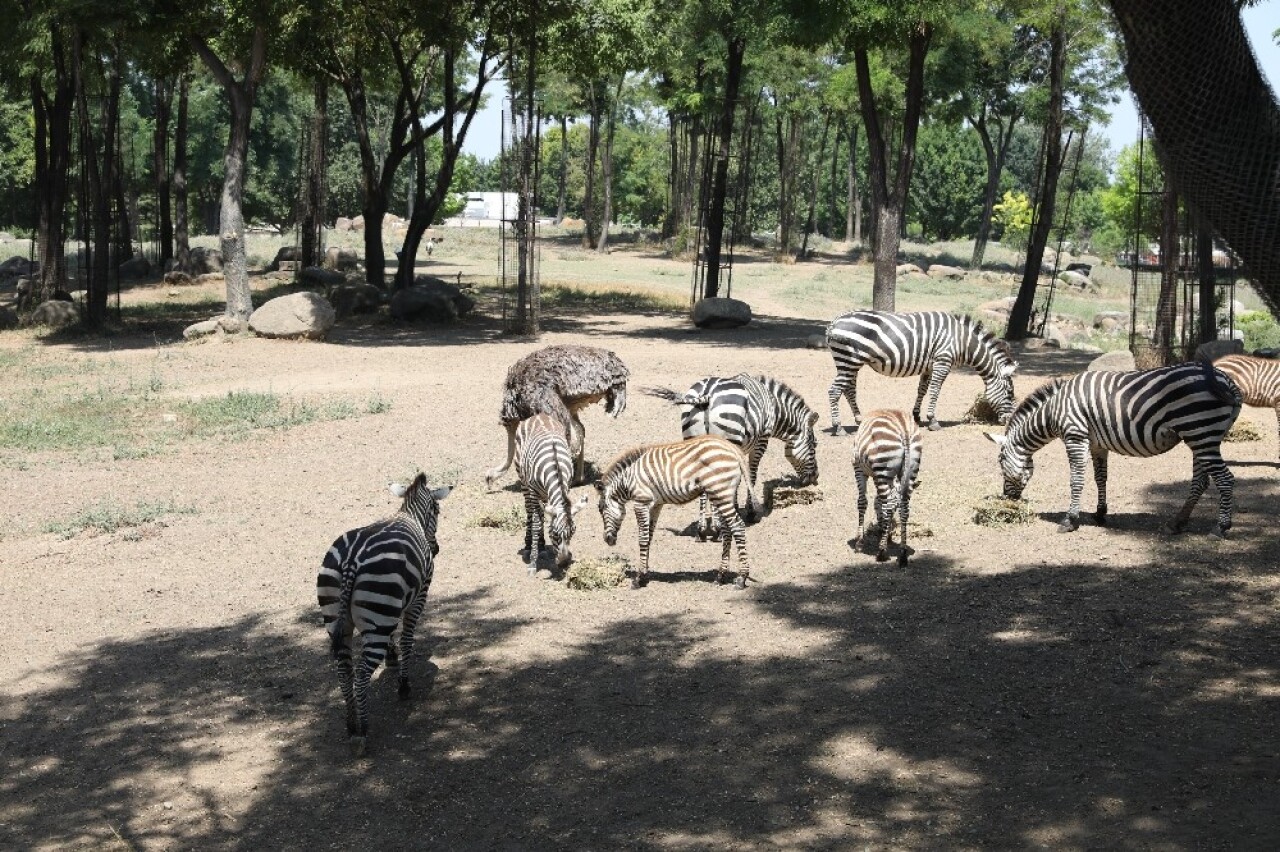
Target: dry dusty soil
pixel 167 686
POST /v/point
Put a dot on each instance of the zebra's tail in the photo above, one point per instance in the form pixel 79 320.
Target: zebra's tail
pixel 1223 387
pixel 338 627
pixel 695 400
pixel 910 468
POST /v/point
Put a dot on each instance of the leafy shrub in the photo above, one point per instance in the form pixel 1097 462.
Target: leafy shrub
pixel 1261 331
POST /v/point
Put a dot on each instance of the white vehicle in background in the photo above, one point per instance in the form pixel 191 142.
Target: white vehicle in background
pixel 491 207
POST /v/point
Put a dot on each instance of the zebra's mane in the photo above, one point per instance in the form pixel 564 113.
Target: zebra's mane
pixel 622 462
pixel 1037 398
pixel 987 338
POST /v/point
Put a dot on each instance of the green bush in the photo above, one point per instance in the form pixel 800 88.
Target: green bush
pixel 1260 329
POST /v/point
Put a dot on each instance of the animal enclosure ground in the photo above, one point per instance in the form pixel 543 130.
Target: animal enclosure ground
pixel 166 684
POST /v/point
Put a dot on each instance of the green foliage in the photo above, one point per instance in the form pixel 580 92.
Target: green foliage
pixel 108 516
pixel 1121 201
pixel 946 189
pixel 1261 331
pixel 1013 215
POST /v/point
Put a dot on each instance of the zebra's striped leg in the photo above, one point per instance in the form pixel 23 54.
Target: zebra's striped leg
pixel 577 446
pixel 706 528
pixel 921 389
pixel 937 375
pixel 533 536
pixel 1199 482
pixel 736 530
pixel 1077 449
pixel 341 652
pixel 884 515
pixel 753 468
pixel 372 655
pixel 407 637
pixel 904 514
pixel 861 479
pixel 1100 479
pixel 846 384
pixel 1278 420
pixel 646 518
pixel 1225 482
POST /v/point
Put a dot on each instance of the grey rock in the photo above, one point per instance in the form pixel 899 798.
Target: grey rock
pixel 909 269
pixel 342 223
pixel 177 278
pixel 230 324
pixel 431 299
pixel 308 315
pixel 941 270
pixel 1085 269
pixel 357 224
pixel 721 313
pixel 286 253
pixel 1120 361
pixel 204 260
pixel 8 318
pixel 201 329
pixel 1215 349
pixel 348 299
pixel 318 277
pixel 136 267
pixel 340 259
pixel 55 313
pixel 210 278
pixel 1075 279
pixel 1118 316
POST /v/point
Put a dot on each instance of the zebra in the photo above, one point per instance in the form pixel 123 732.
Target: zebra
pixel 927 344
pixel 1257 378
pixel 1141 413
pixel 658 474
pixel 374 580
pixel 888 450
pixel 544 464
pixel 749 410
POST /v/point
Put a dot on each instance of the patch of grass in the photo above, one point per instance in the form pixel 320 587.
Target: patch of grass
pixel 510 519
pixel 785 496
pixel 576 297
pixel 38 422
pixel 107 516
pixel 240 412
pixel 591 575
pixel 1001 511
pixel 377 404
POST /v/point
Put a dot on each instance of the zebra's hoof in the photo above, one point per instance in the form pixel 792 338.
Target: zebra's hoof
pixel 357 746
pixel 1101 518
pixel 403 691
pixel 902 559
pixel 740 582
pixel 638 582
pixel 1068 526
pixel 1172 528
pixel 934 426
pixel 882 556
pixel 1218 532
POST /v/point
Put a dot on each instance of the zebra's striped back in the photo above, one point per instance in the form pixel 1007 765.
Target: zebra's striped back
pixel 887 450
pixel 373 580
pixel 1257 378
pixel 926 343
pixel 1141 413
pixel 544 464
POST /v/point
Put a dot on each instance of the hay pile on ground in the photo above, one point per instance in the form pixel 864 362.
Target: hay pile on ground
pixel 510 519
pixel 783 496
pixel 1242 431
pixel 1001 511
pixel 982 413
pixel 593 574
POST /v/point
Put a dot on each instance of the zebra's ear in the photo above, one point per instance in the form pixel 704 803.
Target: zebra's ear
pixel 441 492
pixel 813 418
pixel 599 484
pixel 998 440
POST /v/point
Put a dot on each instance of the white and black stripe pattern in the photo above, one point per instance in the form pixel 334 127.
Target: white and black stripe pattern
pixel 374 581
pixel 661 474
pixel 749 410
pixel 1257 378
pixel 1141 413
pixel 888 450
pixel 544 464
pixel 926 344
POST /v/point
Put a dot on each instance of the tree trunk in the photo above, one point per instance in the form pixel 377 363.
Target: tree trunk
pixel 313 213
pixel 1167 303
pixel 164 97
pixel 240 96
pixel 182 242
pixel 1020 314
pixel 817 182
pixel 593 144
pixel 606 169
pixel 100 162
pixel 720 180
pixel 52 165
pixel 889 200
pixel 1195 76
pixel 833 187
pixel 853 208
pixel 562 180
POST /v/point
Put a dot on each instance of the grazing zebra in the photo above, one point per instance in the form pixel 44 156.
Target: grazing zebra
pixel 1142 413
pixel 545 467
pixel 374 581
pixel 926 344
pixel 749 410
pixel 887 449
pixel 659 474
pixel 1257 378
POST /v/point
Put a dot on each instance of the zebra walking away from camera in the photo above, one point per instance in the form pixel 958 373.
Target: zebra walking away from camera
pixel 926 344
pixel 659 474
pixel 374 581
pixel 749 410
pixel 544 464
pixel 887 450
pixel 1141 413
pixel 1257 378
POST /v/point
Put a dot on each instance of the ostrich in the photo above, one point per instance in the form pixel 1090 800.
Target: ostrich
pixel 560 381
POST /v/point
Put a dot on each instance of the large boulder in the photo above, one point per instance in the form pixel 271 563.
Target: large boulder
pixel 1120 361
pixel 340 259
pixel 177 278
pixel 941 270
pixel 16 266
pixel 359 298
pixel 135 267
pixel 286 253
pixel 304 314
pixel 8 318
pixel 342 223
pixel 431 299
pixel 1075 279
pixel 719 312
pixel 1085 269
pixel 909 269
pixel 1215 349
pixel 357 224
pixel 55 313
pixel 205 260
pixel 314 276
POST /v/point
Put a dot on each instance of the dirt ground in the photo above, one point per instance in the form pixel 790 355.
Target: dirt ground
pixel 1011 688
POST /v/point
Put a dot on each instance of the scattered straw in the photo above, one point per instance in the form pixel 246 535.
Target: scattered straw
pixel 783 497
pixel 1241 432
pixel 1000 511
pixel 982 413
pixel 510 519
pixel 592 574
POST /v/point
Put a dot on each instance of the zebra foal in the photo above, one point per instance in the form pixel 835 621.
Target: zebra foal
pixel 925 344
pixel 1257 378
pixel 658 474
pixel 887 449
pixel 374 581
pixel 544 464
pixel 749 410
pixel 1141 413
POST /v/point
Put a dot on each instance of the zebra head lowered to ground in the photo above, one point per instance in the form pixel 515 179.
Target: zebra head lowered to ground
pixel 545 465
pixel 1140 413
